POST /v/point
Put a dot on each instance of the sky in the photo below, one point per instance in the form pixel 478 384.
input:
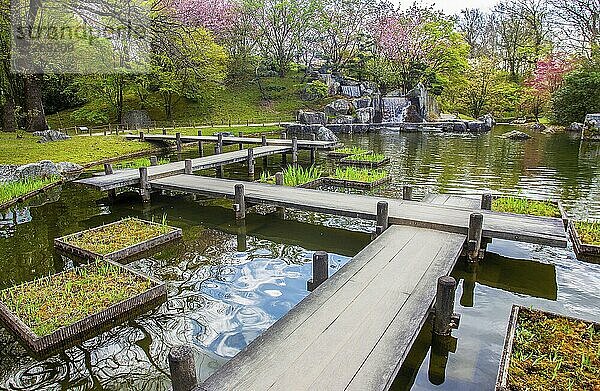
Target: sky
pixel 454 6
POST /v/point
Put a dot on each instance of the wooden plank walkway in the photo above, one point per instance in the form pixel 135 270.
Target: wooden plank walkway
pixel 131 177
pixel 548 231
pixel 453 200
pixel 355 330
pixel 229 140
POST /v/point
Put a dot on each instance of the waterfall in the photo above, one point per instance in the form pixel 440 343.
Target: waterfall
pixel 394 109
pixel 351 91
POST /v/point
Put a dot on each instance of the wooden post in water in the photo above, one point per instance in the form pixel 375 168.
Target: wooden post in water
pixel 108 170
pixel 200 145
pixel 239 205
pixel 153 160
pixel 279 178
pixel 295 151
pixel 141 136
pixel 320 270
pixel 266 158
pixel 182 366
pixel 474 236
pixel 283 135
pixel 164 131
pixel 486 201
pixel 313 150
pixel 220 142
pixel 407 192
pixel 241 145
pixel 445 319
pixel 251 162
pixel 218 151
pixel 188 167
pixel 144 185
pixel 178 141
pixel 382 216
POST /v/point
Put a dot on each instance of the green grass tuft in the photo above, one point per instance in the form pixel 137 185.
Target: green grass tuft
pixel 294 176
pixel 588 232
pixel 351 150
pixel 49 303
pixel 11 190
pixel 370 157
pixel 137 163
pixel 359 174
pixel 524 206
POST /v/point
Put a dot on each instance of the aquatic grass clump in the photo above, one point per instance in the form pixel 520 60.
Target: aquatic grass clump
pixel 370 157
pixel 524 206
pixel 552 352
pixel 137 163
pixel 11 190
pixel 588 232
pixel 296 176
pixel 48 303
pixel 350 150
pixel 359 174
pixel 113 237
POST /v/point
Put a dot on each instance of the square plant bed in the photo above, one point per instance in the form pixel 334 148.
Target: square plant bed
pixel 526 206
pixel 370 160
pixel 118 240
pixel 54 313
pixel 546 351
pixel 341 153
pixel 585 236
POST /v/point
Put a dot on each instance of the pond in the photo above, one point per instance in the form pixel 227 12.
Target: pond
pixel 228 283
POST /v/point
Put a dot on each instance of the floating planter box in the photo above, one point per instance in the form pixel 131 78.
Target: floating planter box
pixel 346 183
pixel 544 355
pixel 345 152
pixel 519 202
pixel 582 250
pixel 56 312
pixel 369 160
pixel 118 240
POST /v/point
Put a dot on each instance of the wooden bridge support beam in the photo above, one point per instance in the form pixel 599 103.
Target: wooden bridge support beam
pixel 239 205
pixel 474 251
pixel 486 201
pixel 144 184
pixel 313 151
pixel 200 145
pixel 241 145
pixel 295 151
pixel 141 136
pixel 382 222
pixel 153 160
pixel 178 141
pixel 182 366
pixel 266 158
pixel 320 270
pixel 164 131
pixel 251 162
pixel 188 167
pixel 108 170
pixel 445 319
pixel 407 193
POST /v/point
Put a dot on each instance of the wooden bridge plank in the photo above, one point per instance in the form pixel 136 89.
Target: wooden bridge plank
pixel 540 230
pixel 453 200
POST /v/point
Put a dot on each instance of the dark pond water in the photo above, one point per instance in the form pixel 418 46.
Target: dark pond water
pixel 228 283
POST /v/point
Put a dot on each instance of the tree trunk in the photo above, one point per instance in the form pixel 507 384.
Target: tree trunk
pixel 9 123
pixel 36 118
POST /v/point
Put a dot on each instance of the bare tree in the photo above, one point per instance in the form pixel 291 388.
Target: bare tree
pixel 578 23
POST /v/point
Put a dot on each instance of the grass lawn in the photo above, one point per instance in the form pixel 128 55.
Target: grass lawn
pixel 11 190
pixel 79 149
pixel 554 353
pixel 49 303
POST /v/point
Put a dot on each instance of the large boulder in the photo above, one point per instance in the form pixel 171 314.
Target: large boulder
pixel 361 103
pixel 343 119
pixel 478 126
pixel 592 122
pixel 51 135
pixel 575 127
pixel 312 117
pixel 43 169
pixel 324 134
pixel 365 115
pixel 489 120
pixel 338 107
pixel 538 127
pixel 516 135
pixel 8 173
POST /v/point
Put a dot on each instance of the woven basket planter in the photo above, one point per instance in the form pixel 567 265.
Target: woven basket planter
pixel 68 336
pixel 64 245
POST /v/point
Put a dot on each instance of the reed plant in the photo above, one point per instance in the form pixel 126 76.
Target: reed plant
pixel 588 232
pixel 524 206
pixel 113 237
pixel 359 174
pixel 12 190
pixel 370 157
pixel 48 303
pixel 351 150
pixel 296 176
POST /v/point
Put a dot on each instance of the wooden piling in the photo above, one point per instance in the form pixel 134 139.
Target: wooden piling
pixel 295 151
pixel 486 201
pixel 188 167
pixel 164 131
pixel 283 135
pixel 320 270
pixel 279 178
pixel 220 142
pixel 240 202
pixel 444 306
pixel 108 170
pixel 200 145
pixel 313 150
pixel 144 184
pixel 241 145
pixel 382 215
pixel 182 366
pixel 251 162
pixel 474 236
pixel 141 136
pixel 178 141
pixel 407 192
pixel 153 160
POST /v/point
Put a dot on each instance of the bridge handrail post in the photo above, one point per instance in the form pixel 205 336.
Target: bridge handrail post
pixel 320 270
pixel 182 366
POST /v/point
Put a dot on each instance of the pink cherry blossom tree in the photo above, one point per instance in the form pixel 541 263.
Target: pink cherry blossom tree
pixel 546 79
